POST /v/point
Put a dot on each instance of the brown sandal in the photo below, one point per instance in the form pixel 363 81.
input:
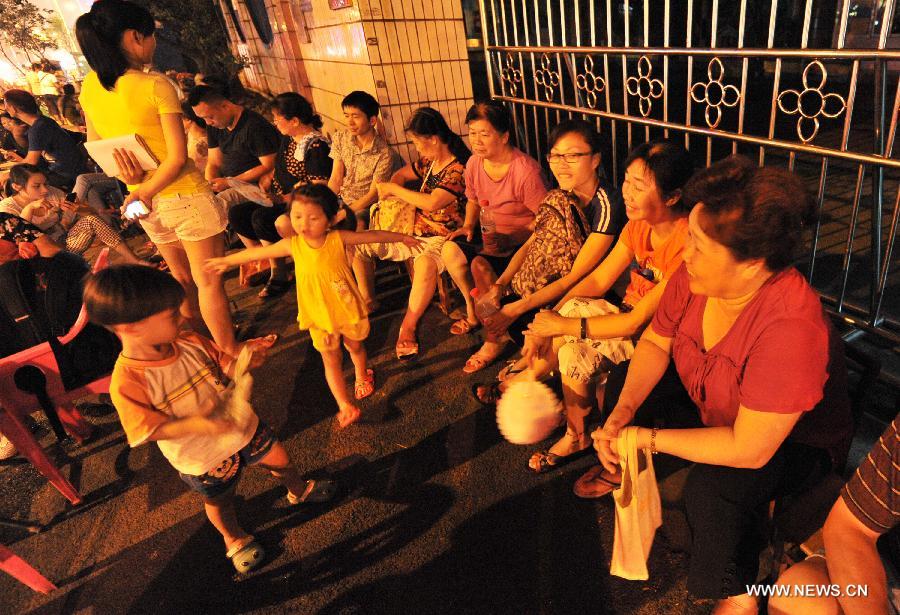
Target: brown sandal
pixel 593 484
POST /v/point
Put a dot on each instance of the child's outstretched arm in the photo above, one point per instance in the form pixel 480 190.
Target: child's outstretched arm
pixel 224 263
pixel 353 238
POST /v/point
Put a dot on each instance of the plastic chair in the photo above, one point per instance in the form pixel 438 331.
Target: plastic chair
pixel 31 379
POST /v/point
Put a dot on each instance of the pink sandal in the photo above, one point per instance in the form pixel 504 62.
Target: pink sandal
pixel 365 387
pixel 480 360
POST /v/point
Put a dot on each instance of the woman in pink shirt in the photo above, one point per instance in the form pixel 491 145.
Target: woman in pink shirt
pixel 504 190
pixel 760 361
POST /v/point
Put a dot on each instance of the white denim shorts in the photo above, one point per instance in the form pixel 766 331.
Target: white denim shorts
pixel 429 247
pixel 581 359
pixel 185 217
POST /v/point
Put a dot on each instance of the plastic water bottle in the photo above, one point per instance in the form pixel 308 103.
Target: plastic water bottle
pixel 488 229
pixel 488 226
pixel 484 306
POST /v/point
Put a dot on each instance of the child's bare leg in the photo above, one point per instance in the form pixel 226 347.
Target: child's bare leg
pixel 279 464
pixel 220 512
pixel 333 358
pixel 357 352
pixel 334 374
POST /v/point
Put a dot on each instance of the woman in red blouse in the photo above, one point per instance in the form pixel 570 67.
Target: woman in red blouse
pixel 760 361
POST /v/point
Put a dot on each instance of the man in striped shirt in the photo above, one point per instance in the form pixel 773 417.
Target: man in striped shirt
pixel 868 508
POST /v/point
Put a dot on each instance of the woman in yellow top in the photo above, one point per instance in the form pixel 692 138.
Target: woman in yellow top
pixel 328 301
pixel 184 219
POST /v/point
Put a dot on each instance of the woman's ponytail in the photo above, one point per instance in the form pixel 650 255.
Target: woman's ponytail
pixel 99 33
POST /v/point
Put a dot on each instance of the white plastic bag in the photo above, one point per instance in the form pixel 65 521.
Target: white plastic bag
pixel 236 404
pixel 638 510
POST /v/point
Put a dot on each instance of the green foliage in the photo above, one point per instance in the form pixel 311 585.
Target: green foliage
pixel 200 31
pixel 26 27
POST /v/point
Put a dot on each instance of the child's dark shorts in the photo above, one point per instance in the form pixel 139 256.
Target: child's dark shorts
pixel 226 475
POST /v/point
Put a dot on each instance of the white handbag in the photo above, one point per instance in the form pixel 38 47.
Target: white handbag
pixel 638 510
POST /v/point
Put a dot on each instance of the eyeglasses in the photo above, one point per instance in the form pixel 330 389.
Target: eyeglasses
pixel 569 158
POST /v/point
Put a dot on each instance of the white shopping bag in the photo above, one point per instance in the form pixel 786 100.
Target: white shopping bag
pixel 638 510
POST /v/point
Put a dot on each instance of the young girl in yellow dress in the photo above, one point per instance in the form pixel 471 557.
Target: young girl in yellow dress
pixel 328 300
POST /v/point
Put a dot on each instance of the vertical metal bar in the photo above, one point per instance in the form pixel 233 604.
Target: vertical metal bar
pixel 515 23
pixel 895 217
pixel 534 110
pixel 484 43
pixel 690 73
pixel 807 17
pixel 515 115
pixel 666 69
pixel 714 22
pixel 889 250
pixel 851 235
pixel 562 27
pixel 537 34
pixel 626 16
pixel 776 81
pixel 615 149
pixel 742 25
pixel 848 114
pixel 646 10
pixel 887 18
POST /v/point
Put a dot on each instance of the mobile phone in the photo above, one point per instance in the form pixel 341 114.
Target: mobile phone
pixel 135 209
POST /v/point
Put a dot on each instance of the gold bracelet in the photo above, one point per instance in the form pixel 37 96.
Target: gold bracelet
pixel 653 431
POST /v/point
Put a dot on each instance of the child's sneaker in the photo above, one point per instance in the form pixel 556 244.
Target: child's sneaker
pixel 246 555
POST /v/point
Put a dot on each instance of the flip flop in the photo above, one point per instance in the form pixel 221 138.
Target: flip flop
pixel 594 484
pixel 363 388
pixel 463 326
pixel 406 350
pixel 247 557
pixel 548 461
pixel 317 491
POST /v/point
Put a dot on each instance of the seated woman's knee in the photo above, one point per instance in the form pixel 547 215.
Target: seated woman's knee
pixel 283 226
pixel 481 269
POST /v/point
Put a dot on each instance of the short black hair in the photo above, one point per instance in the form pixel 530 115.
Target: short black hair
pixel 583 128
pixel 757 213
pixel 493 112
pixel 321 195
pixel 124 294
pixel 363 101
pixel 291 105
pixel 22 100
pixel 206 94
pixel 670 164
pixel 188 112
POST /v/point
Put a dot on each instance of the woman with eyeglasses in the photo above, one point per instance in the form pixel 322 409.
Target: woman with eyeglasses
pixel 575 227
pixel 504 189
pixel 586 335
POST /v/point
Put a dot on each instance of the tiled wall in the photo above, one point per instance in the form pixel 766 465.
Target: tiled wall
pixel 407 52
pixel 419 57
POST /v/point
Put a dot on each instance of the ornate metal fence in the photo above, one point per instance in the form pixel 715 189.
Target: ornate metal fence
pixel 806 84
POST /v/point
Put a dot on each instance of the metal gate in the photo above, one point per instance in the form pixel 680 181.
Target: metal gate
pixel 811 85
